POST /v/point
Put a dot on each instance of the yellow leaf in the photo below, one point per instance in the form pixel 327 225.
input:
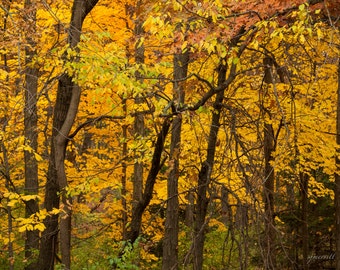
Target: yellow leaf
pixel 312 201
pixel 6 240
pixel 184 46
pixel 11 195
pixel 54 211
pixel 278 220
pixel 22 228
pixel 302 39
pixel 140 42
pixel 319 33
pixel 29 197
pixel 38 157
pixel 40 226
pixel 27 148
pixel 42 214
pixel 255 44
pixel 12 203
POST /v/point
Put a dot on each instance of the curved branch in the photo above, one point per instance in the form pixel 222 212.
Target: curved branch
pixel 90 122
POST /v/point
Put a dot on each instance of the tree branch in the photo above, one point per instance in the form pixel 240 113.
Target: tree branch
pixel 91 121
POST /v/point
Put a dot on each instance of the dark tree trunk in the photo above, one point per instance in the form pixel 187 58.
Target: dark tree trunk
pixel 269 179
pixel 31 134
pixel 124 171
pixel 49 239
pixel 268 196
pixel 65 111
pixel 156 163
pixel 189 209
pixel 139 119
pixel 337 178
pixel 170 243
pixel 204 176
pixel 5 163
pixel 206 167
pixel 304 219
pixel 225 207
pixel 141 199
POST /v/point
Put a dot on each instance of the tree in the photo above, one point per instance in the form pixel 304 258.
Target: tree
pixel 269 181
pixel 31 131
pixel 335 13
pixel 156 164
pixel 139 127
pixel 204 177
pixel 251 152
pixel 337 177
pixel 170 242
pixel 65 111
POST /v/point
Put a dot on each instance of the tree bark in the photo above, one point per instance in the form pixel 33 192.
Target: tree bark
pixel 156 163
pixel 8 185
pixel 48 244
pixel 268 194
pixel 304 219
pixel 31 134
pixel 268 188
pixel 337 178
pixel 139 119
pixel 65 111
pixel 189 209
pixel 204 175
pixel 5 171
pixel 170 243
pixel 124 171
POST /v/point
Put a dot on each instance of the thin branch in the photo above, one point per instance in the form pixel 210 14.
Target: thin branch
pixel 91 121
pixel 102 117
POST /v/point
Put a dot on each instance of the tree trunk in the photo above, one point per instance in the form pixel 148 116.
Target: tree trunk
pixel 65 85
pixel 206 167
pixel 156 163
pixel 49 238
pixel 170 243
pixel 124 171
pixel 292 229
pixel 337 178
pixel 142 199
pixel 204 176
pixel 139 119
pixel 268 189
pixel 6 168
pixel 189 209
pixel 65 111
pixel 268 194
pixel 304 219
pixel 31 134
pixel 10 188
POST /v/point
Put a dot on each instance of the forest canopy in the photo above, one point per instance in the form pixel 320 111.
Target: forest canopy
pixel 169 134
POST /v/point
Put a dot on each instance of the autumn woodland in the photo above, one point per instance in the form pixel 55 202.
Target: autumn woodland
pixel 169 134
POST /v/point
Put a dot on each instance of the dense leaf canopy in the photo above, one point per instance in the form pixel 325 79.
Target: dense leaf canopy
pixel 248 87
